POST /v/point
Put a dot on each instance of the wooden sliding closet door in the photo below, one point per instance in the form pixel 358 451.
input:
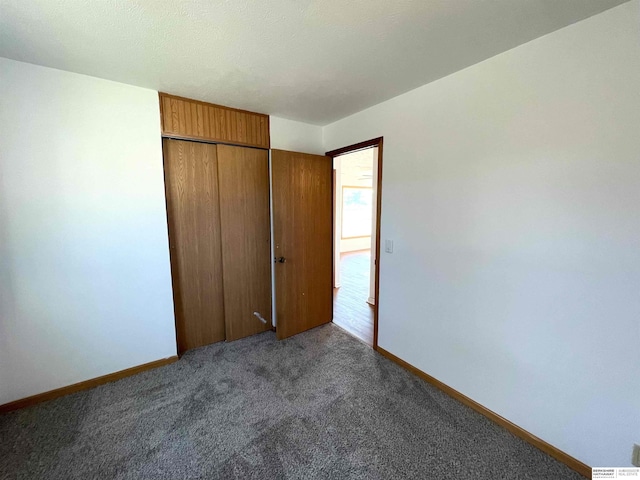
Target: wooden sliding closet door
pixel 243 174
pixel 191 182
pixel 302 224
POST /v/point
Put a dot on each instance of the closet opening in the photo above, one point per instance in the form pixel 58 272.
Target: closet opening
pixel 357 193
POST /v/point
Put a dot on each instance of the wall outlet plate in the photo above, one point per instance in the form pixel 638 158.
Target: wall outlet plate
pixel 635 456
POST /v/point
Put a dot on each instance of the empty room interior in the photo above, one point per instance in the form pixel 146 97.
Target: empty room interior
pixel 320 239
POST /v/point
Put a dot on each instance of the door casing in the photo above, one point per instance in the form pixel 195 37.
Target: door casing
pixel 374 142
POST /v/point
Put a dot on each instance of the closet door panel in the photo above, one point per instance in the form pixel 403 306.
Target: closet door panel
pixel 191 182
pixel 243 175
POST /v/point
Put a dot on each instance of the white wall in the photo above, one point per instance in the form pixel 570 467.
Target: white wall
pixel 337 221
pixel 511 190
pixel 85 285
pixel 295 136
pixel 355 244
pixel 372 244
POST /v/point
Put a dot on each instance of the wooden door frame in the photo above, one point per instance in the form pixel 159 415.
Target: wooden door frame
pixel 374 142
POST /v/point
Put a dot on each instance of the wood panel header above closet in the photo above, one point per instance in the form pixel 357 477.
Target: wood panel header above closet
pixel 195 120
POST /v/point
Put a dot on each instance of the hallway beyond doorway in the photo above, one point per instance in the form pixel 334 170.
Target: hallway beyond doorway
pixel 350 308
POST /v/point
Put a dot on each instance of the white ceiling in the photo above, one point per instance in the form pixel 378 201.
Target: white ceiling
pixel 310 60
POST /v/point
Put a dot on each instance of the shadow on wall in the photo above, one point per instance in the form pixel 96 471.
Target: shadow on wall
pixel 7 291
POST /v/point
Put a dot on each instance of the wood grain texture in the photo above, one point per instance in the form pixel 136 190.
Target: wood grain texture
pixel 191 182
pixel 303 235
pixel 87 384
pixel 547 448
pixel 356 147
pixel 192 119
pixel 243 174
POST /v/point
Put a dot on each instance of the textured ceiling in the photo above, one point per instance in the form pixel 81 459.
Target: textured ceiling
pixel 309 60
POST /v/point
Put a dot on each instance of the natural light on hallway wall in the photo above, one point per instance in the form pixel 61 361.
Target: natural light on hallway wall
pixel 354 197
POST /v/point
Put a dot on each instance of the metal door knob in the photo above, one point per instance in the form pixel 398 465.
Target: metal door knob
pixel 281 260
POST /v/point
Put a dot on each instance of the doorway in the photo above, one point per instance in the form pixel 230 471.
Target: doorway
pixel 356 207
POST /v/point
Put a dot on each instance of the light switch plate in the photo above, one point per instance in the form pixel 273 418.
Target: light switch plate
pixel 388 246
pixel 635 456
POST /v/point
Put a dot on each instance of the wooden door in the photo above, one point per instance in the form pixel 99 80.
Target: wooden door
pixel 246 239
pixel 191 182
pixel 302 217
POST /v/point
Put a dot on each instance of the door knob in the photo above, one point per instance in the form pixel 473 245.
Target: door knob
pixel 282 260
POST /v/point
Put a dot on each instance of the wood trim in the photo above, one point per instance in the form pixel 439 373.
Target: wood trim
pixel 188 119
pixel 376 306
pixel 374 142
pixel 537 442
pixel 200 102
pixel 87 384
pixel 171 136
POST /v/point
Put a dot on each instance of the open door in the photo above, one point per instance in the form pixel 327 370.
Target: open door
pixel 302 224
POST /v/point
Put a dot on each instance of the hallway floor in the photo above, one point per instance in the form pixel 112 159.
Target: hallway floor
pixel 350 308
